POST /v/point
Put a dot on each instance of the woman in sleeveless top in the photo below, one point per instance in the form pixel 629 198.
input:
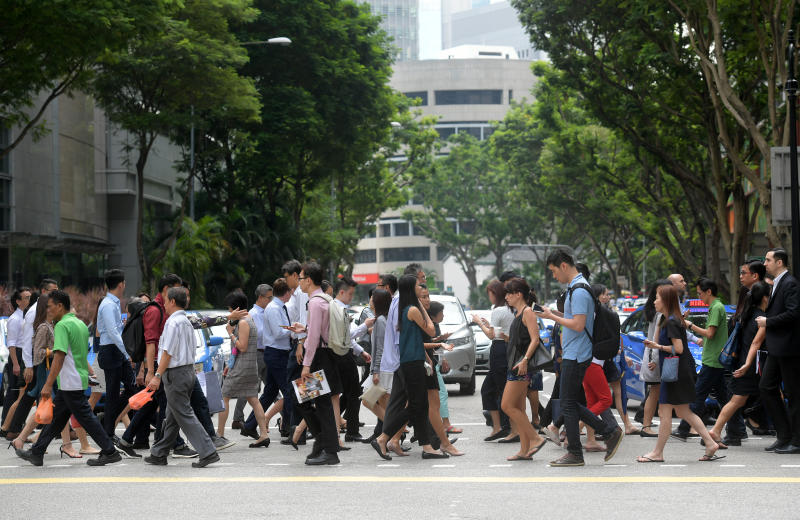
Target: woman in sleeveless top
pixel 241 379
pixel 523 341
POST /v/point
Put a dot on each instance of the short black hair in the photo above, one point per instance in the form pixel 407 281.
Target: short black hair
pixel 757 267
pixel 507 275
pixel 236 300
pixel 780 254
pixel 707 284
pixel 413 268
pixel 313 271
pixel 179 295
pixel 169 280
pixel 17 295
pixel 390 281
pixel 560 256
pixel 598 289
pixel 45 282
pixel 279 288
pixel 291 267
pixel 325 285
pixel 435 308
pixel 114 277
pixel 60 297
pixel 343 282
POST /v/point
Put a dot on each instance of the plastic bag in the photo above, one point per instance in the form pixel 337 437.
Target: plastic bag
pixel 44 411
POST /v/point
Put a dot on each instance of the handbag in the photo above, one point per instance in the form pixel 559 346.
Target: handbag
pixel 669 369
pixel 209 383
pixel 542 359
pixel 731 348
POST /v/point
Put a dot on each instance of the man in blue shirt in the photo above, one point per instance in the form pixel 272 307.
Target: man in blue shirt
pixel 112 357
pixel 577 322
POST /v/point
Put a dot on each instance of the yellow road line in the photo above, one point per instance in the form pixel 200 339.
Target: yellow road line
pixel 374 479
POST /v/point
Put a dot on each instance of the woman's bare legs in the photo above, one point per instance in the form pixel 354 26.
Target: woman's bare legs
pixel 736 402
pixel 616 390
pixel 261 418
pixel 222 417
pixel 513 404
pixel 650 407
pixel 438 424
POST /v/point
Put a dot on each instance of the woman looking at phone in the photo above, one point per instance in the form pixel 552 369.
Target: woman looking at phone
pixel 523 340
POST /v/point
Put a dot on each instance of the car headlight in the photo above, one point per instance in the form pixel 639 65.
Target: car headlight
pixel 458 342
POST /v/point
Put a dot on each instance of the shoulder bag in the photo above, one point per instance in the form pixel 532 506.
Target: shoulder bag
pixel 669 368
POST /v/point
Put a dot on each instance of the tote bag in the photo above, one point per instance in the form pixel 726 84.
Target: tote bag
pixel 669 369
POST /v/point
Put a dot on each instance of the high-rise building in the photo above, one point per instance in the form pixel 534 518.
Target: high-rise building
pixel 400 21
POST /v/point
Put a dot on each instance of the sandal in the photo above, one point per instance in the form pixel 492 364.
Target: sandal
pixel 710 457
pixel 536 449
pixel 453 429
pixel 646 431
pixel 645 458
pixel 514 458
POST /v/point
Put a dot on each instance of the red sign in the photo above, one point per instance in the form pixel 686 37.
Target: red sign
pixel 366 278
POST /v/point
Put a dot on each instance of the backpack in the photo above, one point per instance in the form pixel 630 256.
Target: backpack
pixel 338 328
pixel 605 334
pixel 133 332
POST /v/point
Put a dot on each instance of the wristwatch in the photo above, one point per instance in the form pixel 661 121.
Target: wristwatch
pixel 157 374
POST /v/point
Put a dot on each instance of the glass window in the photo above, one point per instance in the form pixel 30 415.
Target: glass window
pixel 441 253
pixel 5 137
pixel 401 229
pixel 416 231
pixel 406 254
pixel 366 256
pixel 421 94
pixel 386 230
pixel 510 95
pixel 471 130
pixel 445 133
pixel 469 97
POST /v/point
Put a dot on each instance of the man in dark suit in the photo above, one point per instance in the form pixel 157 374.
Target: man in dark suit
pixel 783 362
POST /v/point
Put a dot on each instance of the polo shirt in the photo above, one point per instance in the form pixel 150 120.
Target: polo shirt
pixel 713 346
pixel 576 344
pixel 72 338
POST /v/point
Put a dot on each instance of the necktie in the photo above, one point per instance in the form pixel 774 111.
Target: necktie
pixel 292 341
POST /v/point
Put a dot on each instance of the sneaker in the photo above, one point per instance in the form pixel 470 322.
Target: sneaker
pixel 613 440
pixel 221 443
pixel 126 450
pixel 156 461
pixel 567 460
pixel 205 461
pixel 104 459
pixel 141 445
pixel 184 452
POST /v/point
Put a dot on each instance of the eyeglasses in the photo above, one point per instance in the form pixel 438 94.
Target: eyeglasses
pixel 744 272
pixel 302 278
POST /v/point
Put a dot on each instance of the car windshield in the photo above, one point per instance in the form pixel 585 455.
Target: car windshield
pixel 453 315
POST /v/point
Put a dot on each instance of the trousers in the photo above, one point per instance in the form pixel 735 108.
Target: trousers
pixel 75 402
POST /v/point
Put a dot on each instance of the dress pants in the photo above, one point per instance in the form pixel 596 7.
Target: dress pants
pixel 318 412
pixel 14 382
pixel 179 383
pixel 139 427
pixel 417 410
pixel 117 371
pixel 30 396
pixel 495 382
pixel 572 374
pixel 238 412
pixel 784 369
pixel 351 390
pixel 293 370
pixel 75 402
pixel 709 379
pixel 276 361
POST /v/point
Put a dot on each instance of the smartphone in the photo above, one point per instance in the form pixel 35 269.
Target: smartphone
pixel 537 308
pixel 285 327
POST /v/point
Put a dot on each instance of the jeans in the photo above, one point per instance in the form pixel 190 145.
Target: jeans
pixel 708 379
pixel 66 403
pixel 277 379
pixel 572 374
pixel 118 371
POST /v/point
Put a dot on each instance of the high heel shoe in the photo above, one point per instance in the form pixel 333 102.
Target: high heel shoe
pixel 63 452
pixel 291 438
pixel 262 443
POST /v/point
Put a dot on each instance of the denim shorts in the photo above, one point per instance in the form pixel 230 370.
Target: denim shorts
pixel 537 382
pixel 511 376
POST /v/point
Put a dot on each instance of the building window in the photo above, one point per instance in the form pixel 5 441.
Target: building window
pixel 406 254
pixel 5 137
pixel 445 133
pixel 441 253
pixel 386 230
pixel 417 232
pixel 420 94
pixel 401 229
pixel 510 95
pixel 469 97
pixel 474 131
pixel 366 256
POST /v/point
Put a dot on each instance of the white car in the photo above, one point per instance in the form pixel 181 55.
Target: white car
pixel 462 358
pixel 482 342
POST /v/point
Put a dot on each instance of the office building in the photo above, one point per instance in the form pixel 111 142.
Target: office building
pixel 400 21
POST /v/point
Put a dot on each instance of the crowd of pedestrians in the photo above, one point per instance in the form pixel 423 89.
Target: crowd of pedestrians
pixel 298 327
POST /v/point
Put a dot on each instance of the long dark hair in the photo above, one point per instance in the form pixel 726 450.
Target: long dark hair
pixel 519 285
pixel 672 305
pixel 407 290
pixel 41 312
pixel 754 298
pixel 649 306
pixel 381 300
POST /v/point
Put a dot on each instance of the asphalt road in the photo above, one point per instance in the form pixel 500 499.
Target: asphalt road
pixel 274 483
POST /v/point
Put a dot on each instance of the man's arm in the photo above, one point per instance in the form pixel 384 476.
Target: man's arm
pixel 576 323
pixel 55 369
pixel 155 381
pixel 107 323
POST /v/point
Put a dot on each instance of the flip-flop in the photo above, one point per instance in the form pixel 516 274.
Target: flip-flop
pixel 635 431
pixel 643 459
pixel 535 450
pixel 711 458
pixel 518 457
pixel 453 429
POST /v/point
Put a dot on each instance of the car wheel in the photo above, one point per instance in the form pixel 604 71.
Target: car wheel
pixel 467 388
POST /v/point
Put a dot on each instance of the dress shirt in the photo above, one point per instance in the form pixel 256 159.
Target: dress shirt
pixel 298 310
pixel 776 281
pixel 390 361
pixel 109 323
pixel 318 325
pixel 14 328
pixel 26 335
pixel 177 340
pixel 274 317
pixel 355 333
pixel 257 313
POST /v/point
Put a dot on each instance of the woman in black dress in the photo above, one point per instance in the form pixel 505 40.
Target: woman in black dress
pixel 676 395
pixel 751 339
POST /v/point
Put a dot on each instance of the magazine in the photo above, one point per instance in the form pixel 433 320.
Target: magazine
pixel 312 388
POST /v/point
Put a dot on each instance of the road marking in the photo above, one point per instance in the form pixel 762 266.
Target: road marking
pixel 499 465
pixel 732 466
pixel 59 465
pixel 443 466
pixel 399 479
pixel 224 463
pixel 673 465
pixel 388 465
pixel 4 467
pixel 277 464
pixel 782 465
pixel 615 465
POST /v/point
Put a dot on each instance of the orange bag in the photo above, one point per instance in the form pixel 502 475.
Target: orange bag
pixel 44 411
pixel 140 399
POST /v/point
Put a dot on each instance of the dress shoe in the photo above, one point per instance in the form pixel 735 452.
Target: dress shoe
pixel 344 448
pixel 141 445
pixel 677 434
pixel 353 437
pixel 237 425
pixel 426 455
pixel 777 444
pixel 613 440
pixel 205 461
pixel 732 441
pixel 495 436
pixel 377 448
pixel 316 451
pixel 105 458
pixel 36 460
pixel 323 459
pixel 789 449
pixel 246 432
pixel 156 461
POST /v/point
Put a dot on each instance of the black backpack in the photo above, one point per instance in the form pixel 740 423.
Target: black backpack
pixel 133 332
pixel 605 335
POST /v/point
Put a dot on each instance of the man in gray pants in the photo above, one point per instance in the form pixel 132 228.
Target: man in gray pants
pixel 176 367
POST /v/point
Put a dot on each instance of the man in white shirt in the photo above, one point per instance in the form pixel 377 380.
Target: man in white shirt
pixel 176 349
pixel 20 300
pixel 297 307
pixel 263 297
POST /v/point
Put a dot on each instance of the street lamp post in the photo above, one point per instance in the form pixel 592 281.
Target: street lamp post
pixel 280 40
pixel 791 93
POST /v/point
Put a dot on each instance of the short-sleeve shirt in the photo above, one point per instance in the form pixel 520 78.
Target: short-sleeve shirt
pixel 14 328
pixel 501 320
pixel 713 346
pixel 72 338
pixel 177 340
pixel 576 344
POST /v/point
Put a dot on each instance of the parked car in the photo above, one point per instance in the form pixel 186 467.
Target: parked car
pixel 634 332
pixel 482 342
pixel 462 358
pixel 213 346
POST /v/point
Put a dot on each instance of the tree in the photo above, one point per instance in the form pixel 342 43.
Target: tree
pixel 191 61
pixel 50 47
